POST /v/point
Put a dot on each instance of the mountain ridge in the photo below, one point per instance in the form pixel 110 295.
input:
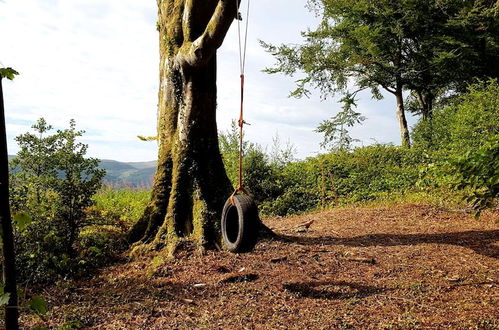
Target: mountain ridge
pixel 126 174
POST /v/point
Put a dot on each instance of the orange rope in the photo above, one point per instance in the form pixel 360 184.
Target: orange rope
pixel 241 122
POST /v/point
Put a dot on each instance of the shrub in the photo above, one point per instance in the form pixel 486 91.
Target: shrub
pixel 262 172
pixel 435 167
pixel 53 182
pixel 478 171
pixel 121 206
pixel 466 124
pixel 461 140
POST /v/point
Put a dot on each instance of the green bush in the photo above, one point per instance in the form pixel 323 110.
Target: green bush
pixel 122 206
pixel 294 200
pixel 366 173
pixel 478 172
pixel 434 168
pixel 466 124
pixel 53 182
pixel 289 187
pixel 262 171
pixel 461 141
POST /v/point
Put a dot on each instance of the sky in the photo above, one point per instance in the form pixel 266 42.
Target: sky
pixel 96 61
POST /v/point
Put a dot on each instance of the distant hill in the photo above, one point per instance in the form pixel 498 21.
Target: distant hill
pixel 126 174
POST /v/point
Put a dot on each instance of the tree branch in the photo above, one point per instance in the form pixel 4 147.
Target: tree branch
pixel 187 20
pixel 198 52
pixel 388 89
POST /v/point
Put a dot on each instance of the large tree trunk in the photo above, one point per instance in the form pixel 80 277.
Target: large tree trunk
pixel 404 130
pixel 190 184
pixel 9 256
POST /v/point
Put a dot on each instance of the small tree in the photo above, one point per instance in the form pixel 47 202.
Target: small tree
pixel 335 130
pixel 35 164
pixel 81 178
pixel 53 182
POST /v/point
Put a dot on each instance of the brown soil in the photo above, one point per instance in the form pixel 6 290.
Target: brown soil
pixel 388 267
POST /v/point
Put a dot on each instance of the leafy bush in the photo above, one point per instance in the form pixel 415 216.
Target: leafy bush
pixel 289 187
pixel 122 206
pixel 461 140
pixel 366 173
pixel 53 183
pixel 294 200
pixel 262 171
pixel 478 171
pixel 466 124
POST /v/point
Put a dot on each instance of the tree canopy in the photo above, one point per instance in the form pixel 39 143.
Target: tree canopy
pixel 426 47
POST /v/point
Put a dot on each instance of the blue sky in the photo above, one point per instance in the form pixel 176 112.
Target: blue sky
pixel 96 61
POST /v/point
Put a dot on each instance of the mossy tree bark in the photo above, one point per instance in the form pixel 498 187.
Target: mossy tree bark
pixel 190 184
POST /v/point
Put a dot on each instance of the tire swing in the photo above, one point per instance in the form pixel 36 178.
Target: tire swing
pixel 240 221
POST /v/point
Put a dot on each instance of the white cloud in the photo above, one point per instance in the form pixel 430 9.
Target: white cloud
pixel 96 61
pixel 93 61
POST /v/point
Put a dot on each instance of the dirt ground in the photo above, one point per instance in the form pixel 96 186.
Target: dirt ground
pixel 384 267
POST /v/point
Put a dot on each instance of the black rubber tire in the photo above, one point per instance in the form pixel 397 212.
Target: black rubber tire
pixel 240 224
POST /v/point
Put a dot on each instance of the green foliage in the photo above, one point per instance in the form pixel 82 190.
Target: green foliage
pixel 70 325
pixel 38 305
pixel 461 139
pixel 336 134
pixel 123 206
pixel 478 171
pixel 429 48
pixel 229 147
pixel 113 214
pixel 8 73
pixel 262 171
pixel 4 297
pixel 344 176
pixel 21 220
pixel 52 185
pixel 465 124
pixel 293 200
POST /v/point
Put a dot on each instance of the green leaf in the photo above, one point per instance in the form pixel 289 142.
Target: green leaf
pixel 147 138
pixel 22 219
pixel 4 299
pixel 8 73
pixel 70 325
pixel 39 305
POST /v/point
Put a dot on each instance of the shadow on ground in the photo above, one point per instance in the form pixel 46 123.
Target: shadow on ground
pixel 331 289
pixel 482 242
